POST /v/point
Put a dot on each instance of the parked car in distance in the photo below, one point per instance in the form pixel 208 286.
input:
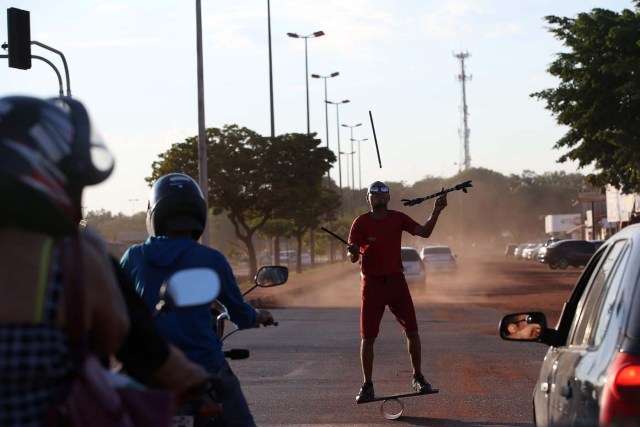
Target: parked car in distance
pixel 290 257
pixel 509 249
pixel 564 253
pixel 517 252
pixel 439 259
pixel 531 251
pixel 413 266
pixel 590 375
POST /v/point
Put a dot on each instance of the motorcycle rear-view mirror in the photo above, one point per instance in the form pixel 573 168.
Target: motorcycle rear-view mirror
pixel 193 287
pixel 272 275
pixel 526 326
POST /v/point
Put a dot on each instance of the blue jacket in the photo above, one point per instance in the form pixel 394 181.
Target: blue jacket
pixel 151 263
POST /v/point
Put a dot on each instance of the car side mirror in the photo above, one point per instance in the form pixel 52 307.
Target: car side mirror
pixel 526 326
pixel 272 275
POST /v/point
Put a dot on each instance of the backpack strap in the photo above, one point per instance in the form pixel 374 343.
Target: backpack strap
pixel 72 272
pixel 43 280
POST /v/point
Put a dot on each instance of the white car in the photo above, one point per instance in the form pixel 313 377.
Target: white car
pixel 413 266
pixel 439 259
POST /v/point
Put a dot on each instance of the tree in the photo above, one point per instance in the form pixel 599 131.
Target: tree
pixel 302 166
pixel 307 212
pixel 598 97
pixel 251 177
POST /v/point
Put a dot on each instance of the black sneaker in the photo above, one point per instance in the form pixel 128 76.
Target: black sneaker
pixel 419 384
pixel 366 393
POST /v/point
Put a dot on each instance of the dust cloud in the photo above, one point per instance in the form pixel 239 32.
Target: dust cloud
pixel 484 277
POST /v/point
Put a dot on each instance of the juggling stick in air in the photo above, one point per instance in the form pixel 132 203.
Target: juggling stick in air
pixel 463 187
pixel 375 139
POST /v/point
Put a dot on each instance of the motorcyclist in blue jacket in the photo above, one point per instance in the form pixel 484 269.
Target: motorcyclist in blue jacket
pixel 176 216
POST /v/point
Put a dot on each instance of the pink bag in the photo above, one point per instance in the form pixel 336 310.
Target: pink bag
pixel 93 400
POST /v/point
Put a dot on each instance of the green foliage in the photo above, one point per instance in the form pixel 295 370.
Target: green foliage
pixel 498 209
pixel 109 225
pixel 253 178
pixel 598 97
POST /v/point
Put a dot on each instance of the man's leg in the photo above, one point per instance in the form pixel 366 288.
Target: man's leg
pixel 366 358
pixel 415 351
pixel 415 354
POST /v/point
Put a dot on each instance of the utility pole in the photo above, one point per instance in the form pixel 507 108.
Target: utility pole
pixel 464 132
pixel 203 174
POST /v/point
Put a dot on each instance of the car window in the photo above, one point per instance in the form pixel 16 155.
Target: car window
pixel 436 251
pixel 410 255
pixel 610 298
pixel 589 303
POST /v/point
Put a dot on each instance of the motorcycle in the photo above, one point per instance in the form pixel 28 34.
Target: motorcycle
pixel 195 287
pixel 189 288
pixel 266 277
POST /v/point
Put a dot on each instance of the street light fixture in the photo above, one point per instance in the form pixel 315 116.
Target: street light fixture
pixel 337 104
pixel 353 184
pixel 326 111
pixel 359 163
pixel 306 65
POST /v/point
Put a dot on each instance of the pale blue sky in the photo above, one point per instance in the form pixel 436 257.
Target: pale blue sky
pixel 134 65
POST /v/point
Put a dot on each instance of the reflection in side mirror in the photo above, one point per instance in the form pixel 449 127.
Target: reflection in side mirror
pixel 528 326
pixel 272 275
pixel 192 287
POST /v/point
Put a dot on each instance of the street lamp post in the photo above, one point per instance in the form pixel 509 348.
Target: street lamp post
pixel 337 104
pixel 353 184
pixel 350 193
pixel 359 162
pixel 349 154
pixel 273 121
pixel 306 65
pixel 133 205
pixel 203 180
pixel 326 111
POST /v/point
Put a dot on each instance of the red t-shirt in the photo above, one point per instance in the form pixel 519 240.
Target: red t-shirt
pixel 381 240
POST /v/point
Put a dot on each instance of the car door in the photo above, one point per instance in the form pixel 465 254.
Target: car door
pixel 572 382
pixel 543 389
pixel 583 252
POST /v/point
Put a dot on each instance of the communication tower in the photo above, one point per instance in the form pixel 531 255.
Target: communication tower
pixel 464 132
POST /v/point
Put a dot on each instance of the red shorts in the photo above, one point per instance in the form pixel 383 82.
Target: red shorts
pixel 379 292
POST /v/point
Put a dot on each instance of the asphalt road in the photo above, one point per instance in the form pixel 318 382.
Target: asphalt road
pixel 306 371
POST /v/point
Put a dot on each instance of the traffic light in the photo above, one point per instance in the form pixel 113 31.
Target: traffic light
pixel 19 28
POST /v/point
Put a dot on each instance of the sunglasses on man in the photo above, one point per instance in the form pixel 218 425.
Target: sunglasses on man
pixel 375 189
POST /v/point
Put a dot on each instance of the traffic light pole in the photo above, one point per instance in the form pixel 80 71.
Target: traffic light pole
pixel 60 91
pixel 19 32
pixel 64 62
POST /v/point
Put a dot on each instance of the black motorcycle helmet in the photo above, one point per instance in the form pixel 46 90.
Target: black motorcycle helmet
pixel 176 203
pixel 49 151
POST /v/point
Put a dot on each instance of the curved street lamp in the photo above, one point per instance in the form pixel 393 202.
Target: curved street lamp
pixel 306 64
pixel 326 111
